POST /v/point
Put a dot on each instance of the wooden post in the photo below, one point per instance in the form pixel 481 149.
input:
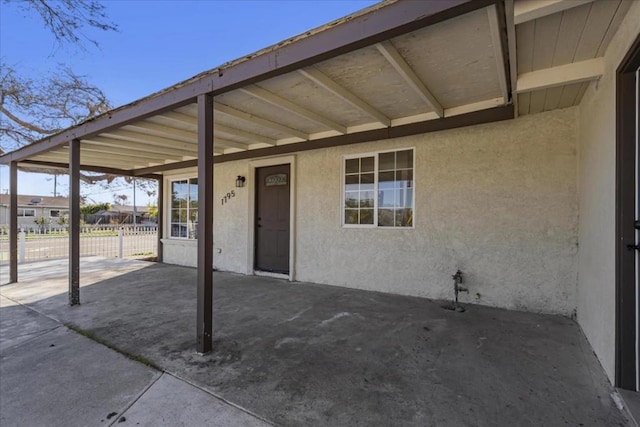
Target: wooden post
pixel 74 222
pixel 13 222
pixel 205 223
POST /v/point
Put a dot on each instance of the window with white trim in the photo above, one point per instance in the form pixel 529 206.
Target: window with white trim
pixel 56 213
pixel 26 212
pixel 379 190
pixel 184 209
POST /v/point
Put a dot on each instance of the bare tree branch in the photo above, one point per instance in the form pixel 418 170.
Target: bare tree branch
pixel 67 19
pixel 34 108
pixel 31 109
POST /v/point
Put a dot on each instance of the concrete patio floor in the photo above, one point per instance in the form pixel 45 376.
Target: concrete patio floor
pixel 304 354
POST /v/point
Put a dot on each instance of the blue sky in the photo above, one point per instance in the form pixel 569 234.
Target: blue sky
pixel 159 43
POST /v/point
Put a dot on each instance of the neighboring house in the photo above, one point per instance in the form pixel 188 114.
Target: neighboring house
pixel 386 150
pixel 120 214
pixel 31 208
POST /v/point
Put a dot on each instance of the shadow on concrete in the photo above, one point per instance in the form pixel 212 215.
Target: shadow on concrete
pixel 297 353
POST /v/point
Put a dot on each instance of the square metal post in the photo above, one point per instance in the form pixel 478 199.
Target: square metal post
pixel 13 222
pixel 74 222
pixel 160 218
pixel 205 223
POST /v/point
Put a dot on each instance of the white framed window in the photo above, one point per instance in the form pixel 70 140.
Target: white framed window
pixel 26 212
pixel 378 189
pixel 56 213
pixel 184 209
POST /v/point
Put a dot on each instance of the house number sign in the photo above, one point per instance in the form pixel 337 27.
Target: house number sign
pixel 278 179
pixel 230 195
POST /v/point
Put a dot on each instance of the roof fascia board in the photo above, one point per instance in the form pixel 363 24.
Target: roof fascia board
pixel 389 21
pixel 505 112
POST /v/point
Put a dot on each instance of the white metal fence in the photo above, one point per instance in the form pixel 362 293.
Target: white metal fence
pixel 108 241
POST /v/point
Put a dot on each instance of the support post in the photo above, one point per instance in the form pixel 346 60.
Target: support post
pixel 74 222
pixel 160 218
pixel 120 243
pixel 13 222
pixel 205 223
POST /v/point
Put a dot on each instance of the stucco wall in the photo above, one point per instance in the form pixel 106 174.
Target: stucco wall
pixel 497 201
pixel 597 175
pixel 230 221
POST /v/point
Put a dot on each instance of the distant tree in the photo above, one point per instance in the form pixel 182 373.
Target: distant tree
pixel 120 199
pixel 63 220
pixel 93 208
pixel 41 222
pixel 153 210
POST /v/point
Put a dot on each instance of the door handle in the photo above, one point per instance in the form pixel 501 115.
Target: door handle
pixel 632 247
pixel 636 224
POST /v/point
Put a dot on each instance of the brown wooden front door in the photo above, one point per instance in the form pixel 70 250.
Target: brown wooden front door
pixel 272 219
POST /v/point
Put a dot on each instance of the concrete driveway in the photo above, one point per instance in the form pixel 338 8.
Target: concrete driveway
pixel 304 354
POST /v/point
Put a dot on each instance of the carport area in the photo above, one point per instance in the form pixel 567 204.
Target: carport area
pixel 305 354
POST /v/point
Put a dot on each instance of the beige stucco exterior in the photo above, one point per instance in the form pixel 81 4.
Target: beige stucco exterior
pixel 497 201
pixel 597 180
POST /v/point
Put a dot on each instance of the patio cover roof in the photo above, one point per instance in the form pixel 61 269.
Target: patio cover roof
pixel 397 68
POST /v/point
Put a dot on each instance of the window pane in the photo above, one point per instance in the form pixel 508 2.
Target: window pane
pixel 175 215
pixel 385 218
pixel 366 199
pixel 179 201
pixel 178 230
pixel 386 198
pixel 407 199
pixel 386 161
pixel 352 182
pixel 404 159
pixel 366 181
pixel 404 178
pixel 193 192
pixel 404 217
pixel 29 212
pixel 179 188
pixel 367 164
pixel 351 199
pixel 193 230
pixel 386 180
pixel 401 198
pixel 352 166
pixel 351 216
pixel 366 216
